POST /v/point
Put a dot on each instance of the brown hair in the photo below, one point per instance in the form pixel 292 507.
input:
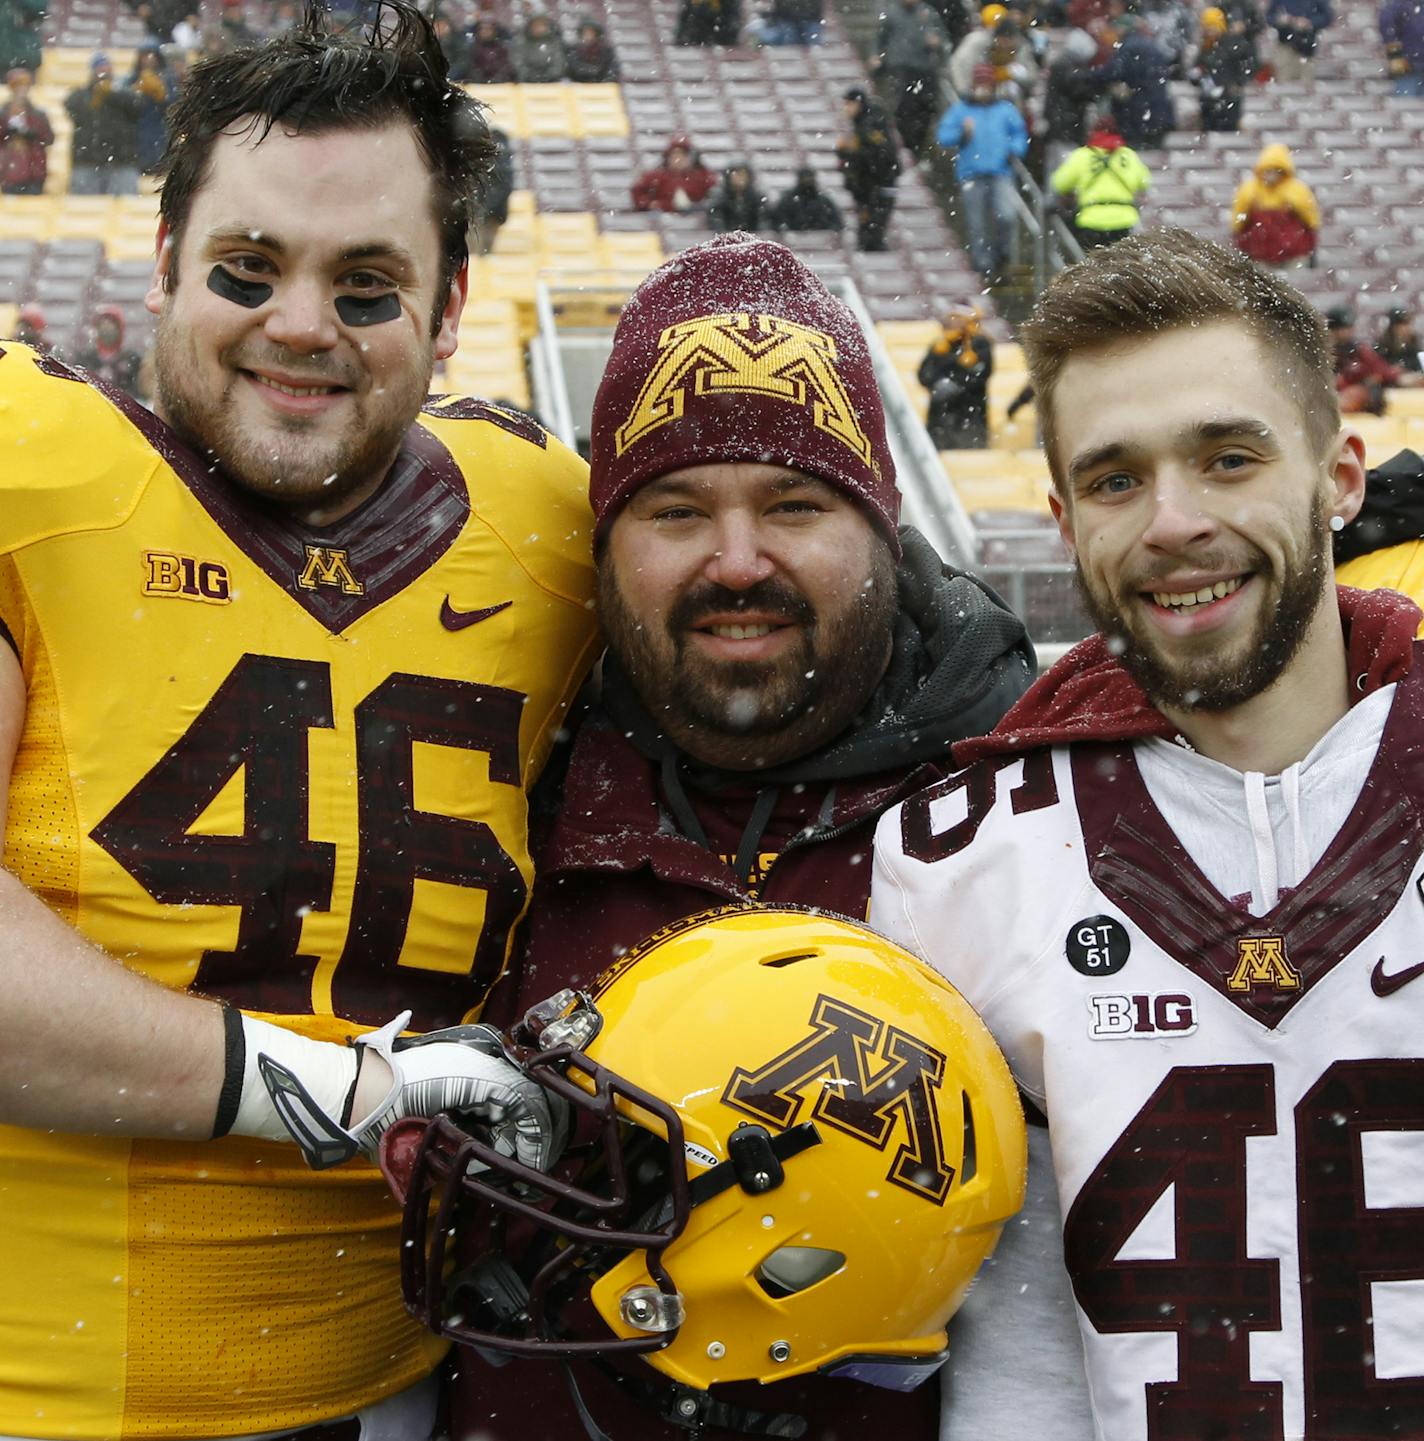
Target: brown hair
pixel 1163 279
pixel 314 79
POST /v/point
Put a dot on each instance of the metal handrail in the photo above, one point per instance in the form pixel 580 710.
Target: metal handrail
pixel 550 385
pixel 929 502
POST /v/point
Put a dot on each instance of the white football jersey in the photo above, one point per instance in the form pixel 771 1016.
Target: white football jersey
pixel 1236 1101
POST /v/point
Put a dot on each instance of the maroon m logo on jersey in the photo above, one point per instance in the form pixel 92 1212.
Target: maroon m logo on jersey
pixel 872 1078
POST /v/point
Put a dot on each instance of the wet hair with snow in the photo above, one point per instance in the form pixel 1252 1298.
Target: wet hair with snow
pixel 315 79
pixel 1162 280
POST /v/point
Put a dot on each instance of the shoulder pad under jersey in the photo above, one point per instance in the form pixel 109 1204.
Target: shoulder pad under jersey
pixel 529 488
pixel 69 458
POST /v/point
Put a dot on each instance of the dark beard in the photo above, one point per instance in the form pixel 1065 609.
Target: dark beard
pixel 1220 686
pixel 286 482
pixel 801 700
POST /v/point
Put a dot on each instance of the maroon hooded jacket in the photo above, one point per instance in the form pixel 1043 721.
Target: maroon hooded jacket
pixel 1089 695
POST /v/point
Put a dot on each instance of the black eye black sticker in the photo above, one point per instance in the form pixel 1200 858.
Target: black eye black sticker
pixel 368 309
pixel 247 293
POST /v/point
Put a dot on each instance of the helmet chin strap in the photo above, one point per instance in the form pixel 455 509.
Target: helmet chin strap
pixel 682 1406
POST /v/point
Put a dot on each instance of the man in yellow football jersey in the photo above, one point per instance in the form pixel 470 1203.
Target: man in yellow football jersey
pixel 280 665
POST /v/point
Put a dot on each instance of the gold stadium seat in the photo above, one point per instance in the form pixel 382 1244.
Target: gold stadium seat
pixel 575 231
pixel 628 246
pixel 9 316
pixel 1406 404
pixel 600 109
pixel 1383 434
pixel 549 111
pixel 988 492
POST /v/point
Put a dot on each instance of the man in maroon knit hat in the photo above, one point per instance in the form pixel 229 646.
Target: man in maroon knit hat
pixel 1182 880
pixel 784 662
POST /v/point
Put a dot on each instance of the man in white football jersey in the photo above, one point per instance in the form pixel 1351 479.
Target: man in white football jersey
pixel 1182 879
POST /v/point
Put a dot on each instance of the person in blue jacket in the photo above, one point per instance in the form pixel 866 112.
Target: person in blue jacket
pixel 987 135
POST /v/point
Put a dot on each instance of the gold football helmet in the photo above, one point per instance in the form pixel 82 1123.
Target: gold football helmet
pixel 794 1146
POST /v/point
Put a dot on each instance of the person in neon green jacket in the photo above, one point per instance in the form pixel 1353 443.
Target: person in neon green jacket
pixel 1104 177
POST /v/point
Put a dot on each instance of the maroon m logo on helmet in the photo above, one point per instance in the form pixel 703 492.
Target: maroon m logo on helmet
pixel 871 1079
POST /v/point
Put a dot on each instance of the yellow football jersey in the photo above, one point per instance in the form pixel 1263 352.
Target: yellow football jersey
pixel 283 767
pixel 1396 567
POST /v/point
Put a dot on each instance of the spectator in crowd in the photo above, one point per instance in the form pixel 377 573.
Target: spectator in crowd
pixel 20 43
pixel 1401 24
pixel 592 61
pixel 1002 46
pixel 1172 27
pixel 1398 342
pixel 151 83
pixel 455 45
pixel 682 182
pixel 491 60
pixel 708 22
pixel 1245 17
pixel 541 57
pixel 187 39
pixel 1103 178
pixel 25 138
pixel 805 206
pixel 1298 24
pixel 870 166
pixel 491 208
pixel 955 372
pixel 104 157
pixel 30 328
pixel 1224 66
pixel 737 204
pixel 791 22
pixel 1275 218
pixel 106 357
pixel 1136 78
pixel 1362 375
pixel 1068 94
pixel 910 47
pixel 987 135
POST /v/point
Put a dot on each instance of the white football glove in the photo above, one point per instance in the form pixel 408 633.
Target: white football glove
pixel 296 1089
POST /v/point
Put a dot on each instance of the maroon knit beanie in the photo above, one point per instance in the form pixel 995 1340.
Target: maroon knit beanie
pixel 734 350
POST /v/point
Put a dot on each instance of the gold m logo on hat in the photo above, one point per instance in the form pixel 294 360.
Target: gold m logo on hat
pixel 747 354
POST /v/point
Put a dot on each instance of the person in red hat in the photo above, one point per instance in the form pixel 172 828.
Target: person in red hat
pixel 784 661
pixel 988 134
pixel 681 183
pixel 1102 179
pixel 30 328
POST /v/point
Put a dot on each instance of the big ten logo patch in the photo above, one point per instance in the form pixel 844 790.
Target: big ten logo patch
pixel 1262 961
pixel 185 577
pixel 1140 1017
pixel 871 1080
pixel 328 566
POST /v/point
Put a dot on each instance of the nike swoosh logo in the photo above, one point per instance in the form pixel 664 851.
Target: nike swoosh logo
pixel 453 619
pixel 1384 983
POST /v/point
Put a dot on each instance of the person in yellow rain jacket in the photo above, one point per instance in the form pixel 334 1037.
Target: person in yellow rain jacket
pixel 1275 218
